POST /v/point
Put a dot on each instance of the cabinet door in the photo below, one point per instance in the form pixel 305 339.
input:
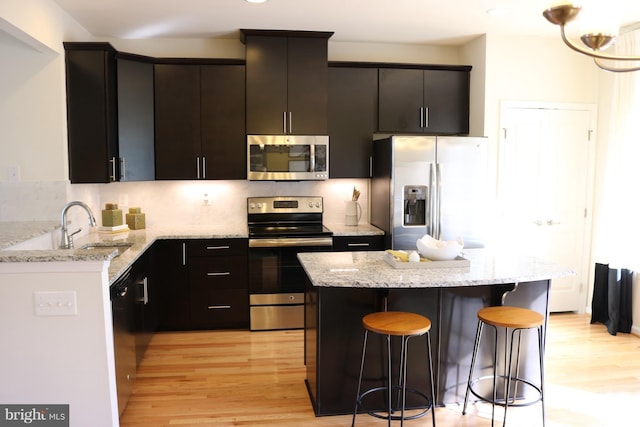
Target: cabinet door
pixel 135 120
pixel 307 85
pixel 224 145
pixel 172 284
pixel 353 116
pixel 446 96
pixel 177 121
pixel 92 120
pixel 266 84
pixel 400 100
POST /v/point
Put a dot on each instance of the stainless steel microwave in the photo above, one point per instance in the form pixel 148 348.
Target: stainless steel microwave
pixel 287 157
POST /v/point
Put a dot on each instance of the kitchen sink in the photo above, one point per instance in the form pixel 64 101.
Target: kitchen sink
pixel 120 246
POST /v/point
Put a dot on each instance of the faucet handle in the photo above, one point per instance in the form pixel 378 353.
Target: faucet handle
pixel 70 239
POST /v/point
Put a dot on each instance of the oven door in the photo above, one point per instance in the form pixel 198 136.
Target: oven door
pixel 277 281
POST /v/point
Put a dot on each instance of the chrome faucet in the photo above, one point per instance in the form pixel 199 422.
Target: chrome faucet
pixel 66 241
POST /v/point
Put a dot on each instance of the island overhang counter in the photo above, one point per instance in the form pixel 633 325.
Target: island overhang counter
pixel 342 287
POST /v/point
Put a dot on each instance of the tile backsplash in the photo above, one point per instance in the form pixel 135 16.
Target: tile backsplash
pixel 171 202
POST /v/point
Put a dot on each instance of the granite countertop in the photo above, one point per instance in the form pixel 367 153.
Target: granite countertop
pixel 370 270
pixel 139 240
pixel 14 232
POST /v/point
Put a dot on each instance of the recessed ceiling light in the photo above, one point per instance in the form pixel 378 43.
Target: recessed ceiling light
pixel 497 11
pixel 256 1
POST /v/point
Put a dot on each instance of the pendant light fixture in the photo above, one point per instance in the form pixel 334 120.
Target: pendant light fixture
pixel 599 31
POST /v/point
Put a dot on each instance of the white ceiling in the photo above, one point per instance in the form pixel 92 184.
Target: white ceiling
pixel 393 21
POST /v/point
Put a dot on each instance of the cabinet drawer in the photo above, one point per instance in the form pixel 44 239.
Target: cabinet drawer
pixel 358 243
pixel 218 272
pixel 216 247
pixel 219 308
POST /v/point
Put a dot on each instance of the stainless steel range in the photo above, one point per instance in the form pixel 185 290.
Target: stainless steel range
pixel 280 228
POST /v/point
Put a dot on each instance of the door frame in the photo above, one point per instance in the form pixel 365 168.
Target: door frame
pixel 585 275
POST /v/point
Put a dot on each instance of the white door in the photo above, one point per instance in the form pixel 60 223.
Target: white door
pixel 545 187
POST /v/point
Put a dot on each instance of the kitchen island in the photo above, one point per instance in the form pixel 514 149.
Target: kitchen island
pixel 343 287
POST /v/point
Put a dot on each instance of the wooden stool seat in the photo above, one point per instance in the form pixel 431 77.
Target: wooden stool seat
pixel 510 317
pixel 396 323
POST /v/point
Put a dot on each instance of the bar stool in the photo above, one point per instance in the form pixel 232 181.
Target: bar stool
pixel 517 320
pixel 406 326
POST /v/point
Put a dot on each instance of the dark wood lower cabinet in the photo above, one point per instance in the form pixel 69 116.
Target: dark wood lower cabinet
pixel 173 285
pixel 203 284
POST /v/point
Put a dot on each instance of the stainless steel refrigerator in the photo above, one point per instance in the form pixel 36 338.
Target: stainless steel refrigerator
pixel 430 185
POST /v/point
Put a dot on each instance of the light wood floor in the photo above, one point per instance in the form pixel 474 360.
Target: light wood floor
pixel 238 378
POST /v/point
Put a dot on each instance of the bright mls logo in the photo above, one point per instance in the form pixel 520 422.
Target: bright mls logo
pixel 34 415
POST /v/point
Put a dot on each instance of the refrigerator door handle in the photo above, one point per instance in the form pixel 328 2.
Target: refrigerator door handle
pixel 438 234
pixel 431 204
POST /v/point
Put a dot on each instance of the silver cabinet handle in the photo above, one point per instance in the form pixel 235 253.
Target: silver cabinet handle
pixel 113 169
pixel 198 167
pixel 352 245
pixel 290 122
pixel 426 117
pixel 222 273
pixel 219 307
pixel 284 122
pixel 123 169
pixel 216 248
pixel 145 291
pixel 204 167
pixel 184 253
pixel 421 117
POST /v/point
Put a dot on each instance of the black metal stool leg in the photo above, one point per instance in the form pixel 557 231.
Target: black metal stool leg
pixel 541 353
pixel 364 350
pixel 389 381
pixel 473 364
pixel 495 374
pixel 433 388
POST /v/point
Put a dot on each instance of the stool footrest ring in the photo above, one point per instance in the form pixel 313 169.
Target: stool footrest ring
pixel 513 401
pixel 379 413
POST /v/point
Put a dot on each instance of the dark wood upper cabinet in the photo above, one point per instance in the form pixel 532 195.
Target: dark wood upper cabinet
pixel 92 117
pixel 177 121
pixel 222 89
pixel 135 120
pixel 199 121
pixel 287 79
pixel 432 101
pixel 353 117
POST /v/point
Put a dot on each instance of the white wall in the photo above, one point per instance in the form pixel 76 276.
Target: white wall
pixel 59 359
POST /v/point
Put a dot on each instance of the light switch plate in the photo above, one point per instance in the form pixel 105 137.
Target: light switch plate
pixel 61 303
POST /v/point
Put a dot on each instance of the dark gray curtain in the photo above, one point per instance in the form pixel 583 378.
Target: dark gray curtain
pixel 611 303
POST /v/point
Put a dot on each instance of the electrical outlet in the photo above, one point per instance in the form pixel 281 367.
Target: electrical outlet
pixel 61 303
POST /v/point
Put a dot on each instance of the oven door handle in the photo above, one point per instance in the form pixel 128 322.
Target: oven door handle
pixel 291 242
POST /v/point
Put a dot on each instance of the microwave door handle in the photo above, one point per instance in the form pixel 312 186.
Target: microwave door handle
pixel 312 158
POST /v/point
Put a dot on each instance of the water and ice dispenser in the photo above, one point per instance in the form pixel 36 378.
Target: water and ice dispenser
pixel 415 205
